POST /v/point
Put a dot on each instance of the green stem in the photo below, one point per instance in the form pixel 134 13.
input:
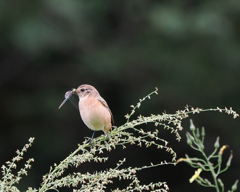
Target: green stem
pixel 46 181
pixel 212 171
pixel 213 153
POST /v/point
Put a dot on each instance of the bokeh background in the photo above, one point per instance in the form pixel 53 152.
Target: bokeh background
pixel 189 49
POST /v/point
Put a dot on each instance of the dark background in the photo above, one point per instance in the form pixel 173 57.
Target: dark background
pixel 189 49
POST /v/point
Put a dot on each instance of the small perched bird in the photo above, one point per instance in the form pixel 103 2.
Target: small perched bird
pixel 94 110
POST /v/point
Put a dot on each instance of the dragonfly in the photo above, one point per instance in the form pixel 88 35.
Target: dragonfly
pixel 69 95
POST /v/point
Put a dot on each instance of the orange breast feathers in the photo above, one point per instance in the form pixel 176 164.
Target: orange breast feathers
pixel 95 114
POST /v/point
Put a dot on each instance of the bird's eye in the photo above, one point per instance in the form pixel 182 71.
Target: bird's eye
pixel 82 90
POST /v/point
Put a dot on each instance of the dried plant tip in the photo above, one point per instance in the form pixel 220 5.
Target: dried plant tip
pixel 222 149
pixel 183 159
pixel 196 175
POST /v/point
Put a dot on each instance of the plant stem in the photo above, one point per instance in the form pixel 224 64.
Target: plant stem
pixel 212 171
pixel 57 168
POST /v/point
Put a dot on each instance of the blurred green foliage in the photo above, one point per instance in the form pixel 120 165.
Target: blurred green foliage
pixel 188 49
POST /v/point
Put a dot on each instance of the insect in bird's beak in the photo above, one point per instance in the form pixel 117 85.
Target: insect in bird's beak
pixel 68 94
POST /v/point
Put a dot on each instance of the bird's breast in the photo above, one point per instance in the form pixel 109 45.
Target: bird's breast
pixel 94 114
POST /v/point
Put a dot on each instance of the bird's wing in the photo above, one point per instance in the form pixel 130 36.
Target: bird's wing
pixel 106 105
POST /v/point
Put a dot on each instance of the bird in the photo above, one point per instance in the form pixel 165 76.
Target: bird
pixel 93 109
